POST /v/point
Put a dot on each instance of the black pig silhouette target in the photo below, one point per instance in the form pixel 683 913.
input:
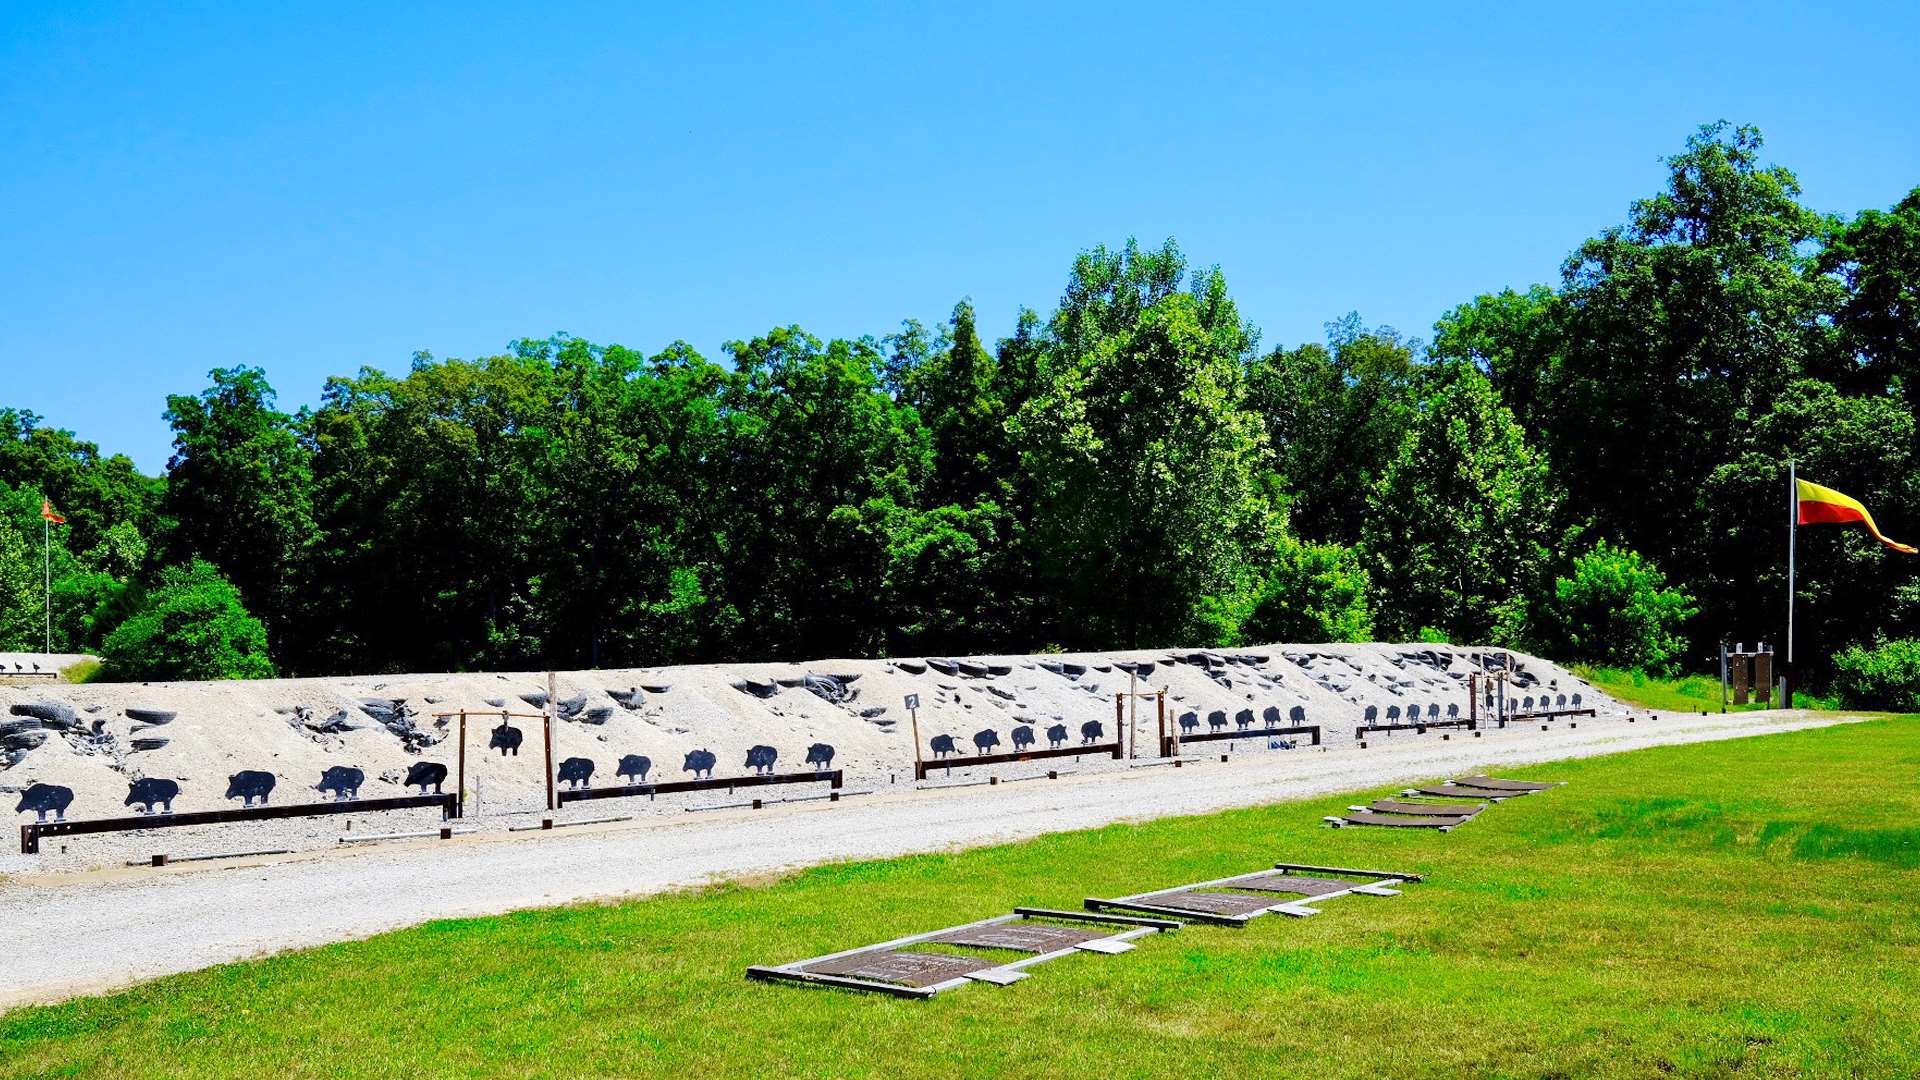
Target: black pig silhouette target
pixel 44 799
pixel 426 774
pixel 151 792
pixel 250 784
pixel 576 771
pixel 506 739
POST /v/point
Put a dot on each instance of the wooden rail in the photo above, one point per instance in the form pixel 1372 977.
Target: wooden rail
pixel 922 768
pixel 1168 744
pixel 1418 729
pixel 30 834
pixel 832 777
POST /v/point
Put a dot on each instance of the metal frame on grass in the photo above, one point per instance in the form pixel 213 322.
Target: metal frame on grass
pixel 1301 907
pixel 997 974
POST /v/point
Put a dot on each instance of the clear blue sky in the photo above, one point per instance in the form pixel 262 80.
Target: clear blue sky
pixel 318 187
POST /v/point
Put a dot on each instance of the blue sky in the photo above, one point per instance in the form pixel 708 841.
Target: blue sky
pixel 318 187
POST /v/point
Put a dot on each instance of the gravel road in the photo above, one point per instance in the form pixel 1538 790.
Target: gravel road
pixel 65 934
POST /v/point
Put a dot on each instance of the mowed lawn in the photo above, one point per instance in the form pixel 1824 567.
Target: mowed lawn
pixel 1741 908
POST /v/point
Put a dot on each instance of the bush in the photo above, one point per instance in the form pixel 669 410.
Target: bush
pixel 1313 592
pixel 1886 676
pixel 1617 611
pixel 192 626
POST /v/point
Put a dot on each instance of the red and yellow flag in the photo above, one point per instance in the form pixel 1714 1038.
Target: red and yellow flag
pixel 46 511
pixel 1825 506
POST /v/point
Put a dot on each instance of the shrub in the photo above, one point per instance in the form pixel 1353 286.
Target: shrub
pixel 192 626
pixel 1886 676
pixel 1312 592
pixel 1615 610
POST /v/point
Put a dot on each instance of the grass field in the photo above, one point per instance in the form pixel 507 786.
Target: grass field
pixel 1737 908
pixel 1686 693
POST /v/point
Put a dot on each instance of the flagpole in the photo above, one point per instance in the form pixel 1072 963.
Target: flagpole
pixel 1793 533
pixel 46 573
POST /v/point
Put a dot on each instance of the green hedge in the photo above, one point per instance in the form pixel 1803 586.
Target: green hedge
pixel 1886 676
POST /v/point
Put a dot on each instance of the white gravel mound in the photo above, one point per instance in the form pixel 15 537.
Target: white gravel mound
pixel 96 739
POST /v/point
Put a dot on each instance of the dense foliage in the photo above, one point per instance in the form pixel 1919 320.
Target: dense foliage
pixel 192 626
pixel 1133 468
pixel 1883 676
pixel 1615 608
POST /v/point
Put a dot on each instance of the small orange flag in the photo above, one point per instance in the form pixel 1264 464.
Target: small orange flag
pixel 46 511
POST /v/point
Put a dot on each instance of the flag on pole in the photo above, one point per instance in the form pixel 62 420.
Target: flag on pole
pixel 1825 506
pixel 46 511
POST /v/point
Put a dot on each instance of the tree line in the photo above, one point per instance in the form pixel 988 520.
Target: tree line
pixel 1592 468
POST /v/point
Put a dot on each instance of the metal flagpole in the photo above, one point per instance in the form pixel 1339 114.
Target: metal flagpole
pixel 1793 533
pixel 46 573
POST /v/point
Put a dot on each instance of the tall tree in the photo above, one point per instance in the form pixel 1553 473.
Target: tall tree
pixel 1457 532
pixel 1680 327
pixel 819 458
pixel 240 489
pixel 630 554
pixel 426 494
pixel 1151 473
pixel 1335 415
pixel 957 394
pixel 1877 258
pixel 94 491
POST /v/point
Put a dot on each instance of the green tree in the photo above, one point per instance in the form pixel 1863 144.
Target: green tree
pixel 1311 592
pixel 428 505
pixel 240 489
pixel 21 615
pixel 1849 587
pixel 1680 327
pixel 1877 258
pixel 1335 416
pixel 956 391
pixel 1516 339
pixel 629 561
pixel 1616 609
pixel 819 458
pixel 1151 475
pixel 1457 530
pixel 194 625
pixel 95 492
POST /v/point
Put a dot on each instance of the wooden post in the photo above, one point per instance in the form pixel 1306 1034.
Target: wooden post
pixel 913 716
pixel 1132 737
pixel 546 728
pixel 1160 711
pixel 460 782
pixel 1120 719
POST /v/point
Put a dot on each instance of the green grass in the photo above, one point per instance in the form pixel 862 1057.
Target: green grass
pixel 1736 908
pixel 81 671
pixel 1688 693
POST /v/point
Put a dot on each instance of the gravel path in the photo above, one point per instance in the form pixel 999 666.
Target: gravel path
pixel 74 933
